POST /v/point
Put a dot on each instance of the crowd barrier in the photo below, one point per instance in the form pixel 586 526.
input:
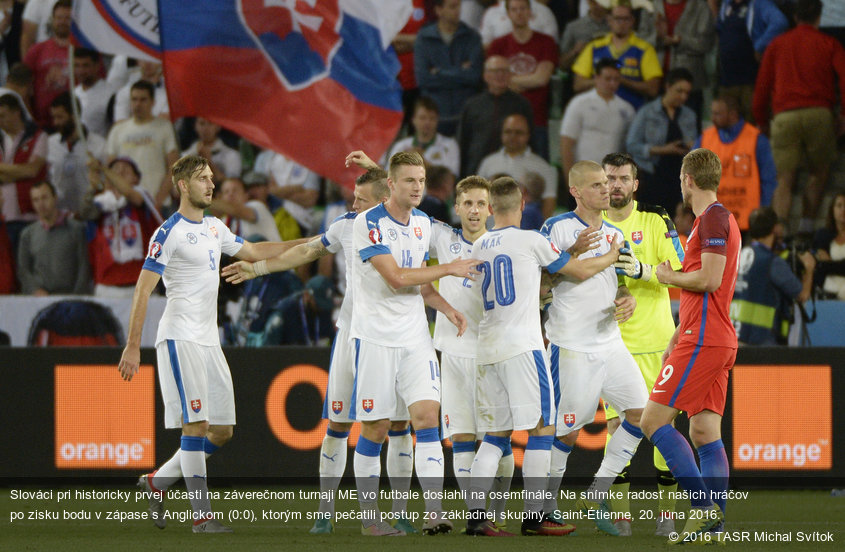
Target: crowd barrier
pixel 68 414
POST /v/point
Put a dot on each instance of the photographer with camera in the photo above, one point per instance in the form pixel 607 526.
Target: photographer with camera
pixel 766 286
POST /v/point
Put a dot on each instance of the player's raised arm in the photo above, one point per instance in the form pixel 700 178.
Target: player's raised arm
pixel 360 159
pixel 295 256
pixel 582 269
pixel 131 357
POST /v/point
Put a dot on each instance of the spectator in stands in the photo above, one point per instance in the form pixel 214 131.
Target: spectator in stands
pixel 36 23
pixel 67 155
pixel 303 318
pixel 298 188
pixel 829 243
pixel 497 23
pixel 19 84
pixel 149 141
pixel 686 34
pixel 798 80
pixel 403 43
pixel 52 253
pixel 480 129
pixel 637 59
pixel 532 193
pixel 439 191
pixel 448 60
pixel 745 29
pixel 595 121
pixel 748 171
pixel 24 162
pixel 661 134
pixel 92 90
pixel 516 159
pixel 579 32
pixel 49 63
pixel 7 258
pixel 245 217
pixel 435 148
pixel 225 162
pixel 766 287
pixel 121 220
pixel 533 57
pixel 149 71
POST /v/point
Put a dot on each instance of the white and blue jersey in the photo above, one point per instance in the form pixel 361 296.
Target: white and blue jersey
pixel 447 244
pixel 186 254
pixel 582 316
pixel 510 264
pixel 338 236
pixel 381 314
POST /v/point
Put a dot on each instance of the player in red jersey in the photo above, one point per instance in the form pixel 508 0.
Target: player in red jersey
pixel 694 377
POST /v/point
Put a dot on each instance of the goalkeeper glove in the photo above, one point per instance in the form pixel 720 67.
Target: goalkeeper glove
pixel 628 265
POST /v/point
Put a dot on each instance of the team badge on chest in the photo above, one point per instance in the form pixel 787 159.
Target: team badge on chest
pixel 418 232
pixel 637 237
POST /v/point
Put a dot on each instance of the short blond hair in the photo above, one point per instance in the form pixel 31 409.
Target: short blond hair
pixel 473 182
pixel 505 195
pixel 579 171
pixel 401 158
pixel 704 167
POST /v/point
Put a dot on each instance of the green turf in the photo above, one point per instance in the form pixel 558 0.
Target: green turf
pixel 766 511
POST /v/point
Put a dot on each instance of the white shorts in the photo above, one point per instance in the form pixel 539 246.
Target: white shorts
pixel 196 385
pixel 584 377
pixel 515 393
pixel 341 379
pixel 389 379
pixel 457 406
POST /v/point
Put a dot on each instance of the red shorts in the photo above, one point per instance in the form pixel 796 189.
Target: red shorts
pixel 695 378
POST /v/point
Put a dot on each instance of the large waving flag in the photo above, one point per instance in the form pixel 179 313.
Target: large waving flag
pixel 311 79
pixel 117 27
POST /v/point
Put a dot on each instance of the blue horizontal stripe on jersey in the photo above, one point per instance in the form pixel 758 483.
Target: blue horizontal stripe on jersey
pixel 559 263
pixel 373 250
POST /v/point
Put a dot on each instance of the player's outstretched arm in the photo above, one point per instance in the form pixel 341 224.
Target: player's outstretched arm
pixel 436 301
pixel 131 357
pixel 264 250
pixel 298 255
pixel 706 279
pixel 586 268
pixel 398 277
pixel 360 159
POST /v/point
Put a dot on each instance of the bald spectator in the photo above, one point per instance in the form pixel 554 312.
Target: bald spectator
pixel 480 129
pixel 579 32
pixel 435 148
pixel 516 159
pixel 225 162
pixel 52 253
pixel 67 155
pixel 637 59
pixel 24 162
pixel 49 63
pixel 745 28
pixel 533 57
pixel 798 81
pixel 660 135
pixel 447 63
pixel 248 218
pixel 749 177
pixel 596 121
pixel 92 90
pixel 149 141
pixel 496 23
pixel 686 34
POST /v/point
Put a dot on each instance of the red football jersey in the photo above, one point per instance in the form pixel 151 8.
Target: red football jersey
pixel 705 317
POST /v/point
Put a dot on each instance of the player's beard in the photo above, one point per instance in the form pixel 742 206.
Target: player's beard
pixel 620 203
pixel 200 202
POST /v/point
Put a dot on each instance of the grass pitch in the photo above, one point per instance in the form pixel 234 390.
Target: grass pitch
pixel 43 522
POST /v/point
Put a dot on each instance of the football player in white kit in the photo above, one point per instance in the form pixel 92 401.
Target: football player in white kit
pixel 370 190
pixel 513 382
pixel 196 385
pixel 586 348
pixel 396 369
pixel 457 354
